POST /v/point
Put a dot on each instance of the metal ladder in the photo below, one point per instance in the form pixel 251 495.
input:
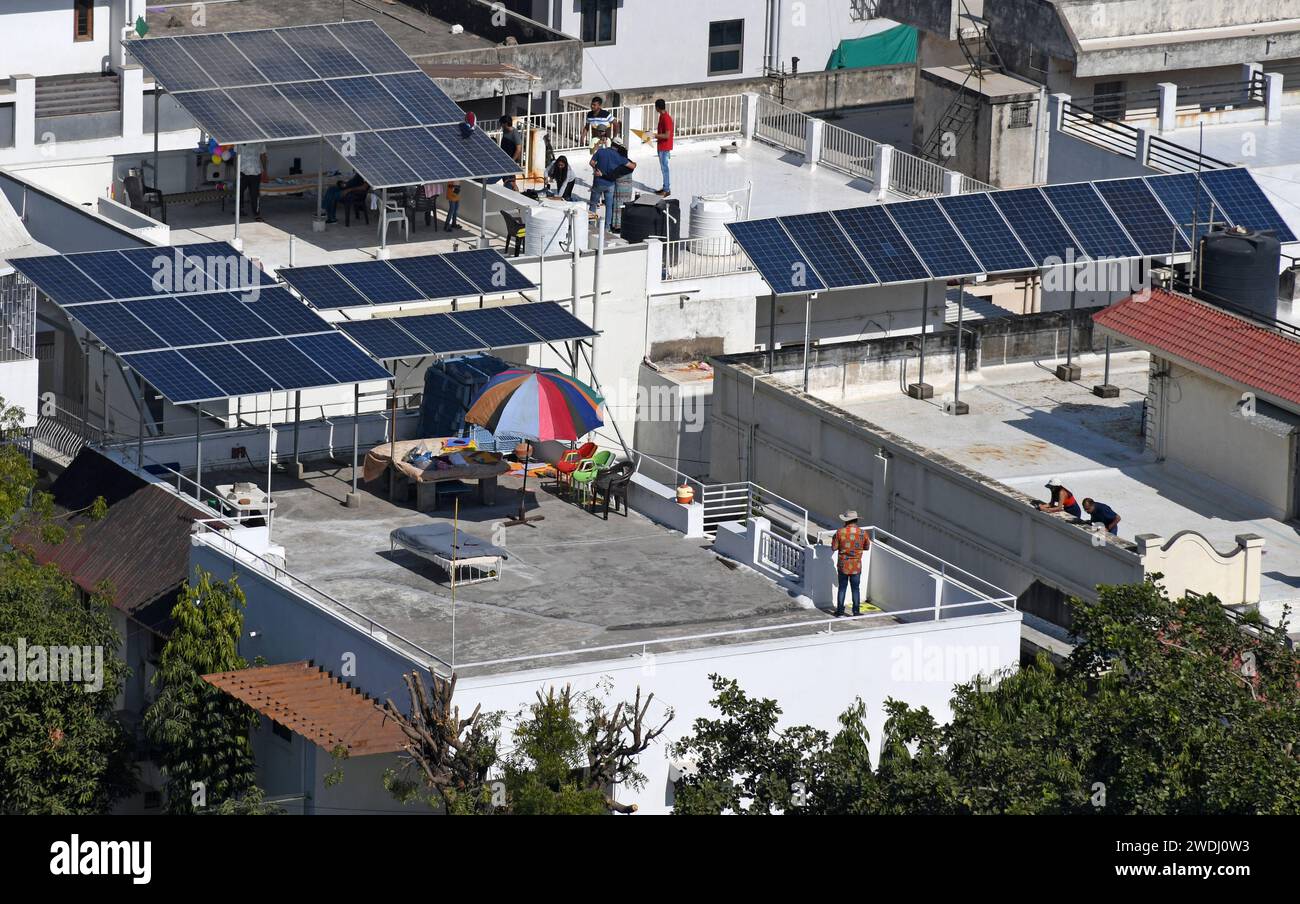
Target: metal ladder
pixel 981 53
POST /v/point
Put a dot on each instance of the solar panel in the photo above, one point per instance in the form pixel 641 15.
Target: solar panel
pixel 488 271
pixel 170 64
pixel 550 321
pixel 342 360
pixel 268 52
pixel 378 282
pixel 319 49
pixel 286 313
pixel 174 377
pixel 1143 217
pixel 322 287
pixel 220 60
pixel 422 152
pixel 170 269
pixel 367 153
pixel 384 338
pixel 878 240
pixel 432 275
pixel 1245 203
pixel 419 94
pixel 1038 226
pixel 938 244
pixel 221 117
pixel 781 264
pixel 117 329
pixel 822 241
pixel 233 373
pixel 373 103
pixel 172 321
pixel 285 364
pixel 495 327
pixel 116 273
pixel 60 280
pixel 1090 220
pixel 368 43
pixel 272 112
pixel 987 234
pixel 1187 200
pixel 440 335
pixel 477 151
pixel 231 318
pixel 321 106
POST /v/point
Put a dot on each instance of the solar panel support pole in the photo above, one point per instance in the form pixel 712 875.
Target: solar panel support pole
pixel 198 452
pixel 85 395
pixel 958 406
pixel 383 226
pixel 1104 390
pixel 771 333
pixel 807 335
pixel 482 214
pixel 1069 371
pixel 139 434
pixel 353 499
pixel 297 469
pixel 921 389
pixel 238 243
pixel 595 281
pixel 157 181
pixel 103 360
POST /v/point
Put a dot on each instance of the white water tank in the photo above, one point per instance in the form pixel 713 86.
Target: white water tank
pixel 709 213
pixel 546 227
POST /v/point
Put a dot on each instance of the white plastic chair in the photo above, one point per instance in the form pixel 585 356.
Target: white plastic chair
pixel 392 213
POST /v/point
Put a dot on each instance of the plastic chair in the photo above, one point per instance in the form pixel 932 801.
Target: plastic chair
pixel 612 485
pixel 358 203
pixel 589 470
pixel 569 463
pixel 514 232
pixel 394 212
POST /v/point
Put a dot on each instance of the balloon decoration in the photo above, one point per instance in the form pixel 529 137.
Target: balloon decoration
pixel 216 158
pixel 227 153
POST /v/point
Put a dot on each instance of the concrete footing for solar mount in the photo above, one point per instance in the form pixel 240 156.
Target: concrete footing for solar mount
pixel 295 469
pixel 920 391
pixel 1105 391
pixel 956 408
pixel 317 224
pixel 383 254
pixel 352 500
pixel 1068 372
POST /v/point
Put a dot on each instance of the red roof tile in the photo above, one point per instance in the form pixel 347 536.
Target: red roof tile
pixel 1181 327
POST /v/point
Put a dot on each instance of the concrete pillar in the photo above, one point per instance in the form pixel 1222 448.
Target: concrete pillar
pixel 951 182
pixel 819 576
pixel 1056 109
pixel 812 140
pixel 882 479
pixel 1143 150
pixel 754 529
pixel 1167 107
pixel 884 166
pixel 1272 96
pixel 1250 70
pixel 635 120
pixel 24 111
pixel 131 82
pixel 748 114
pixel 1252 549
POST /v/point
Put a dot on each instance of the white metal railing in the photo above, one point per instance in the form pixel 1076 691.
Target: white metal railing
pixel 969 184
pixel 780 125
pixel 698 116
pixel 784 555
pixel 17 319
pixel 564 129
pixel 899 547
pixel 848 152
pixel 912 175
pixel 701 258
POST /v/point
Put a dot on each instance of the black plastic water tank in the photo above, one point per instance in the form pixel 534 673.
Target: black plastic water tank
pixel 642 220
pixel 1241 266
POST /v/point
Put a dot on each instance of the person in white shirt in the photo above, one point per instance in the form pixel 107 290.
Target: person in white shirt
pixel 252 166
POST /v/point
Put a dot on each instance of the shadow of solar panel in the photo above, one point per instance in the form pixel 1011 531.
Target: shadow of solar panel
pixel 173 322
pixel 221 117
pixel 938 244
pixel 384 339
pixel 285 364
pixel 1090 220
pixel 231 318
pixel 369 44
pixel 114 326
pixel 373 103
pixel 781 264
pixel 425 155
pixel 272 112
pixel 987 234
pixel 488 271
pixel 1188 201
pixel 495 327
pixel 432 275
pixel 479 153
pixel 419 94
pixel 274 59
pixel 823 243
pixel 117 274
pixel 322 107
pixel 220 60
pixel 322 287
pixel 173 376
pixel 284 312
pixel 441 335
pixel 550 321
pixel 175 69
pixel 878 240
pixel 1037 225
pixel 367 153
pixel 378 282
pixel 1142 215
pixel 321 51
pixel 342 360
pixel 233 373
pixel 1241 198
pixel 60 280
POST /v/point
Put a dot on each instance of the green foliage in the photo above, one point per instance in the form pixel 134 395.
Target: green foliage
pixel 543 774
pixel 251 803
pixel 201 732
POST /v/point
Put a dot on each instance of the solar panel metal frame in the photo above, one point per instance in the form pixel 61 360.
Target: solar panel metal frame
pixel 322 51
pixel 371 156
pixel 230 370
pixel 273 113
pixel 285 363
pixel 987 233
pixel 422 97
pixel 1036 236
pixel 434 276
pixel 169 63
pixel 932 236
pixel 495 327
pixel 171 320
pixel 276 60
pixel 550 321
pixel 323 287
pixel 220 60
pixel 441 335
pixel 379 282
pixel 476 266
pixel 120 330
pixel 1239 196
pixel 335 353
pixel 774 254
pixel 319 103
pixel 371 46
pixel 1143 216
pixel 60 280
pixel 217 114
pixel 474 149
pixel 886 250
pixel 1090 221
pixel 1173 190
pixel 175 377
pixel 821 240
pixel 384 338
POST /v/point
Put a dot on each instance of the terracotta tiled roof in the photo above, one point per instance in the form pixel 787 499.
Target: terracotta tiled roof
pixel 312 702
pixel 1176 326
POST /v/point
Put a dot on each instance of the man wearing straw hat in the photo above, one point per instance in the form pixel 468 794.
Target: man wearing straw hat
pixel 850 542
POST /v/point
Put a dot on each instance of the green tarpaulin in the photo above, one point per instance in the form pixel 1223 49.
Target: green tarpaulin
pixel 897 45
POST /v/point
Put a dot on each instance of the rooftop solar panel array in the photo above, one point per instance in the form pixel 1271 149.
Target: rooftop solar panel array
pixel 333 80
pixel 482 271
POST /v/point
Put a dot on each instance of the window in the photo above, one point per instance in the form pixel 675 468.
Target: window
pixel 726 46
pixel 598 21
pixel 83 20
pixel 1020 116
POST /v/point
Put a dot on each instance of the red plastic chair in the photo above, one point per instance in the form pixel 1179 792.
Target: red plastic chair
pixel 565 467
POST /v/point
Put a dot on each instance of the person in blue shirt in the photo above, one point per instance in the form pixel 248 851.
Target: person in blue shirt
pixel 607 165
pixel 1101 513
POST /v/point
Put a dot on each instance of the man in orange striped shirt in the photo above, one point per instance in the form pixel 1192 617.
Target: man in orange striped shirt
pixel 850 542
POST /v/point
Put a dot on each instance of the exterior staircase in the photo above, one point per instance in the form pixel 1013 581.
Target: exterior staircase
pixel 976 44
pixel 77 95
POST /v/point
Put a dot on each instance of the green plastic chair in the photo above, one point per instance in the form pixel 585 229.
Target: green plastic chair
pixel 589 470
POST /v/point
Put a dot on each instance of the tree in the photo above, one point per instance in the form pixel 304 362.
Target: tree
pixel 202 733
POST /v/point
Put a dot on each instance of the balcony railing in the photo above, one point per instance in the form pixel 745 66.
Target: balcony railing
pixel 695 117
pixel 848 152
pixel 702 258
pixel 781 126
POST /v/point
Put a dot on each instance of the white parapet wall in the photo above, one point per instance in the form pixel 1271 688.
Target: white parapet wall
pixel 18 388
pixel 1188 562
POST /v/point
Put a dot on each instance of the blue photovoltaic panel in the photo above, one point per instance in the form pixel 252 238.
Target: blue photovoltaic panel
pixel 117 274
pixel 367 153
pixel 1038 226
pixel 220 60
pixel 321 51
pixel 418 93
pixel 432 275
pixel 373 103
pixel 271 55
pixel 231 318
pixel 170 64
pixel 342 360
pixel 170 269
pixel 423 153
pixel 115 327
pixel 933 238
pixel 878 240
pixel 488 271
pixel 368 43
pixel 440 335
pixel 285 364
pixel 1090 220
pixel 822 241
pixel 174 377
pixel 60 280
pixel 172 321
pixel 322 107
pixel 550 321
pixel 284 312
pixel 986 233
pixel 378 282
pixel 1188 200
pixel 219 116
pixel 495 327
pixel 477 151
pixel 322 287
pixel 272 112
pixel 1245 203
pixel 234 374
pixel 1143 217
pixel 384 338
pixel 782 266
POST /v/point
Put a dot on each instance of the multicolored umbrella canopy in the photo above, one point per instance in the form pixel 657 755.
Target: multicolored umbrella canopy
pixel 537 404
